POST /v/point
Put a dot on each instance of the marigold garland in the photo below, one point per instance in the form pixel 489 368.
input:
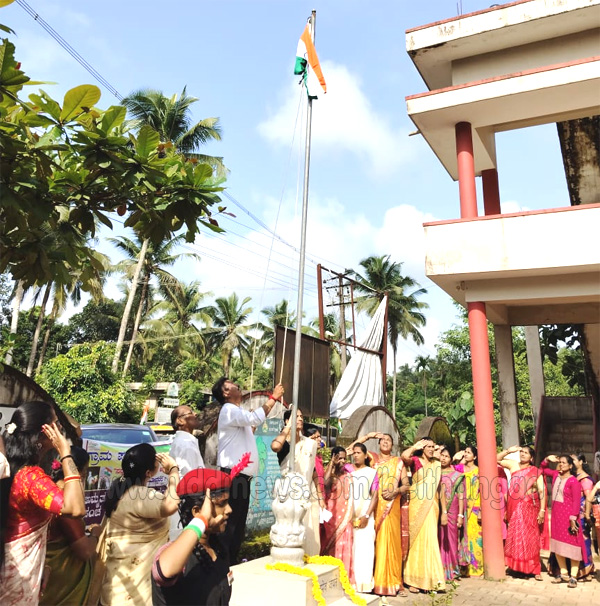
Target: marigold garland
pixel 316 589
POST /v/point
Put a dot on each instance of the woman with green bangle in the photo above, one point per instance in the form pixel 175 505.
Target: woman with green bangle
pixel 194 569
pixel 138 524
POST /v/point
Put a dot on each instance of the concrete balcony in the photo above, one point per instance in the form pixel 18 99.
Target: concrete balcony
pixel 540 267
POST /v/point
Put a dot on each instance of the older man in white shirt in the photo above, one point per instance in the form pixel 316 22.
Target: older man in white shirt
pixel 185 450
pixel 236 437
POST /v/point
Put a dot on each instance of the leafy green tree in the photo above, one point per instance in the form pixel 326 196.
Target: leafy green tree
pixel 20 342
pixel 85 166
pixel 97 321
pixel 6 287
pixel 82 383
pixel 405 312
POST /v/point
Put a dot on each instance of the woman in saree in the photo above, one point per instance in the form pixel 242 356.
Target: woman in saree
pixel 305 464
pixel 566 539
pixel 364 492
pixel 138 524
pixel 338 529
pixel 392 484
pixel 29 498
pixel 471 545
pixel 526 507
pixel 586 566
pixel 70 554
pixel 452 498
pixel 423 569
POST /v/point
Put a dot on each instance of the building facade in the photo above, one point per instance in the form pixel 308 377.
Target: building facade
pixel 513 66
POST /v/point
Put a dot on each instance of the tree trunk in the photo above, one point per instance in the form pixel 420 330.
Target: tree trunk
pixel 136 324
pixel 394 385
pixel 51 320
pixel 38 330
pixel 14 323
pixel 129 305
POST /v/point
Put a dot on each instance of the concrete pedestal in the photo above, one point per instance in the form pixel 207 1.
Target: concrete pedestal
pixel 253 584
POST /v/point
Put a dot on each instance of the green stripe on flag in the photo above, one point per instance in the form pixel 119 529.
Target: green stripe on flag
pixel 300 67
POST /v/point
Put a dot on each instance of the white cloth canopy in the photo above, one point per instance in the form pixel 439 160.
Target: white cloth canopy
pixel 362 383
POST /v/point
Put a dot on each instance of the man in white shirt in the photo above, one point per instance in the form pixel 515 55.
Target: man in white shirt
pixel 185 450
pixel 236 437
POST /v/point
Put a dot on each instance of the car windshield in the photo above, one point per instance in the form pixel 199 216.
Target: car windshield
pixel 120 436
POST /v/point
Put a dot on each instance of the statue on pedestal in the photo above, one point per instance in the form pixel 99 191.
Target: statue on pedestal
pixel 289 506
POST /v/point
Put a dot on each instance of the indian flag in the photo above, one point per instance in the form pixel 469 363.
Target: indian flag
pixel 306 56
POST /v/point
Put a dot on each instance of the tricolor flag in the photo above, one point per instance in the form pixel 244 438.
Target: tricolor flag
pixel 306 56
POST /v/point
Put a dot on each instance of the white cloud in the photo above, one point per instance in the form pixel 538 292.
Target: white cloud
pixel 512 206
pixel 338 240
pixel 343 119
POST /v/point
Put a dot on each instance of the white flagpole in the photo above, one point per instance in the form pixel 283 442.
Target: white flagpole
pixel 301 263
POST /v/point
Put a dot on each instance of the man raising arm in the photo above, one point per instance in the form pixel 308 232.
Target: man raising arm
pixel 235 439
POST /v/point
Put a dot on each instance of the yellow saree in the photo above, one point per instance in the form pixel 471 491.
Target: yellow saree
pixel 388 548
pixel 423 568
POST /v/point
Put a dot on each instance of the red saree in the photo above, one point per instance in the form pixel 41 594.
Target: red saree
pixel 523 540
pixel 338 530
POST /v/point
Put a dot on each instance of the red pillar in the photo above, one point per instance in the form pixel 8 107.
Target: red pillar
pixel 466 171
pixel 491 191
pixel 491 521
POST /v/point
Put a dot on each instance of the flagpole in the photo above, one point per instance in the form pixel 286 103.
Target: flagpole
pixel 301 263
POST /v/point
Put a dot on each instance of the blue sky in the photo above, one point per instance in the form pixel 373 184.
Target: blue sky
pixel 372 186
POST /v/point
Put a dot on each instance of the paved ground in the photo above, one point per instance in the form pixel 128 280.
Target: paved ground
pixel 511 592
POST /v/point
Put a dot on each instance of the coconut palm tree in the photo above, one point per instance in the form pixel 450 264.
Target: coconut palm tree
pixel 182 316
pixel 331 324
pixel 230 328
pixel 72 291
pixel 277 315
pixel 380 277
pixel 154 261
pixel 423 366
pixel 171 118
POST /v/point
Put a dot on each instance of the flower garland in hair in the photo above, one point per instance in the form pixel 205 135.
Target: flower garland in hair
pixel 304 572
pixel 344 580
pixel 237 468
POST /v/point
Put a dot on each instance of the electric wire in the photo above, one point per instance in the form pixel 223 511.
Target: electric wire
pixel 67 47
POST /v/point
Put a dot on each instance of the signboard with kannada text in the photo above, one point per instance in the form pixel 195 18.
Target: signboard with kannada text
pixel 105 466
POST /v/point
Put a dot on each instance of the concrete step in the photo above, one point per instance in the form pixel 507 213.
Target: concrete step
pixel 253 584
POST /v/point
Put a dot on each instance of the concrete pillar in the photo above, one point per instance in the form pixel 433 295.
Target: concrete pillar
pixel 491 191
pixel 536 369
pixel 491 522
pixel 467 189
pixel 507 391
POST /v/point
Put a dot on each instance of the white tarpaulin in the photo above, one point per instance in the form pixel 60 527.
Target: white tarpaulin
pixel 361 384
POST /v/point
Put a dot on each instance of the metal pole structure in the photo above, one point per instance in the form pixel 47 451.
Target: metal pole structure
pixel 298 341
pixel 353 316
pixel 343 351
pixel 320 293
